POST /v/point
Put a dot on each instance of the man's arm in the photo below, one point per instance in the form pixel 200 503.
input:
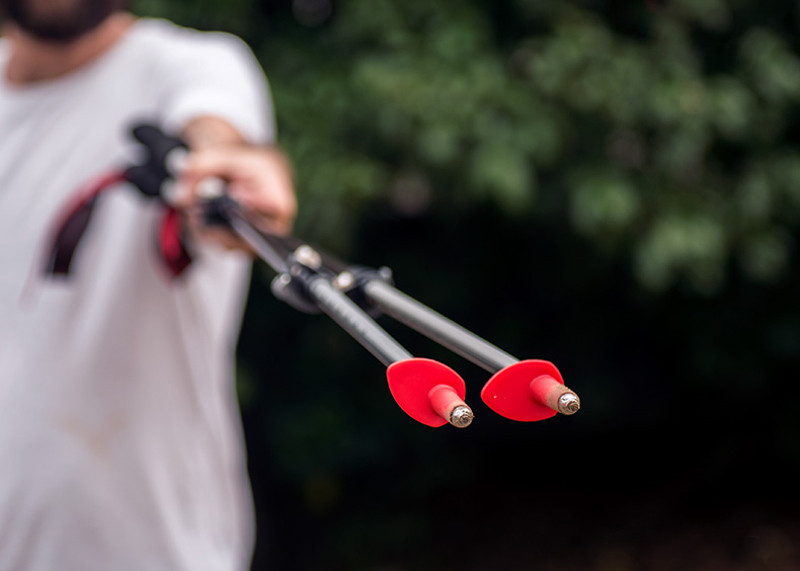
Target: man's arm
pixel 208 132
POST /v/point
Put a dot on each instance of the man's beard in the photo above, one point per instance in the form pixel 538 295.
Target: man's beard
pixel 59 24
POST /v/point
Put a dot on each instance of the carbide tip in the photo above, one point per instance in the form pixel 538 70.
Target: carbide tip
pixel 461 417
pixel 569 403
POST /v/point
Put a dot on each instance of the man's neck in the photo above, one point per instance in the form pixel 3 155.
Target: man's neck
pixel 32 60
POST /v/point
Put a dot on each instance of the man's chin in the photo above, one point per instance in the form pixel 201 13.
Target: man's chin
pixel 60 28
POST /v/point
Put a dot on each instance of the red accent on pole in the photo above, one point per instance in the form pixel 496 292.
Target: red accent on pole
pixel 172 247
pixel 522 391
pixel 425 389
pixel 544 389
pixel 444 399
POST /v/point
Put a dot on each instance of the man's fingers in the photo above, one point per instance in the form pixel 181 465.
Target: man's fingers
pixel 261 179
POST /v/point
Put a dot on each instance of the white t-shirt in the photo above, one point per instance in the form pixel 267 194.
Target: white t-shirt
pixel 120 440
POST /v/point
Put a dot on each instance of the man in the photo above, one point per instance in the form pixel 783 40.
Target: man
pixel 120 441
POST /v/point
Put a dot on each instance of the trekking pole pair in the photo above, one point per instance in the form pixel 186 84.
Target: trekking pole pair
pixel 427 390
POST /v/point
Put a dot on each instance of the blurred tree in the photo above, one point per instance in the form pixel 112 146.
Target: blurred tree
pixel 664 132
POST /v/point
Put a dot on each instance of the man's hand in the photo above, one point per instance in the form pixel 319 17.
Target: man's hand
pixel 259 178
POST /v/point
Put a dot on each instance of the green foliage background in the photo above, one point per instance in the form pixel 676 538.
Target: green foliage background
pixel 613 186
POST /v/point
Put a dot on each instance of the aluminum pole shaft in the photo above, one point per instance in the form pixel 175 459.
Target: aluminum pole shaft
pixel 337 305
pixel 355 321
pixel 425 320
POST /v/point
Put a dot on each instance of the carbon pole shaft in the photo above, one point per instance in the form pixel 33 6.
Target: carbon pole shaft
pixel 425 320
pixel 356 322
pixel 334 303
pixel 264 249
pixel 407 310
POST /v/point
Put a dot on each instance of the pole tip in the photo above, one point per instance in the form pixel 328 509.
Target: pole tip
pixel 461 417
pixel 569 403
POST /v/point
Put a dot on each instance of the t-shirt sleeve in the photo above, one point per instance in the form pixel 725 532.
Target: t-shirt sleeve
pixel 216 74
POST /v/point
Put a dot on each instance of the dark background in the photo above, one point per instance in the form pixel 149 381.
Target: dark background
pixel 611 186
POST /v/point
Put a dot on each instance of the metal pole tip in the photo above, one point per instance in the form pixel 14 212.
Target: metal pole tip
pixel 569 403
pixel 461 417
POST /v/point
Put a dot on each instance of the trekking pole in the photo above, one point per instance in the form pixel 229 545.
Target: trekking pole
pixel 527 390
pixel 428 391
pixel 522 390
